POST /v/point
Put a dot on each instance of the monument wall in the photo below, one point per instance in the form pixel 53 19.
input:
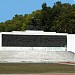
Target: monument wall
pixel 36 46
pixel 70 41
pixel 34 40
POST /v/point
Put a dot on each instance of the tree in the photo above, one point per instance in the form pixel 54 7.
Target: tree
pixel 59 18
pixel 2 27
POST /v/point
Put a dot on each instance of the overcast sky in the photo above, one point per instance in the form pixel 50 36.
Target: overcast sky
pixel 8 8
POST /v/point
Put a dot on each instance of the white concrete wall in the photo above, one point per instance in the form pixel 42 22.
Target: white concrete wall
pixel 36 56
pixel 71 42
pixel 30 32
pixel 0 41
pixel 35 48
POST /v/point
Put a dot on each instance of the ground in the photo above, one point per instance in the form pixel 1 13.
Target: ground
pixel 43 74
pixel 30 68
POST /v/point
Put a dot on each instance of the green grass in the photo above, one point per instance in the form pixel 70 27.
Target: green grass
pixel 15 68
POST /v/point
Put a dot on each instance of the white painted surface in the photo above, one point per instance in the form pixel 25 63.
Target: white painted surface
pixel 31 32
pixel 36 56
pixel 71 42
pixel 0 41
pixel 35 48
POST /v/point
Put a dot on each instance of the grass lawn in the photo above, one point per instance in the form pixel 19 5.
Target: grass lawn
pixel 21 68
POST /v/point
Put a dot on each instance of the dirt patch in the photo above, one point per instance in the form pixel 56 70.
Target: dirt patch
pixel 68 63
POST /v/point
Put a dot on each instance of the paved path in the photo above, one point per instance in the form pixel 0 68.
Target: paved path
pixel 43 74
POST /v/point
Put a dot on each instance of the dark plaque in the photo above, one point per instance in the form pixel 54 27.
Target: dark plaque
pixel 10 40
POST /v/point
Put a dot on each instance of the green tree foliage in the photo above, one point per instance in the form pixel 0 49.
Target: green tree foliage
pixel 59 18
pixel 34 20
pixel 65 22
pixel 2 27
pixel 44 22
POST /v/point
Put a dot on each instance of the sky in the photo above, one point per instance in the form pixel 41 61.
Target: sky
pixel 8 8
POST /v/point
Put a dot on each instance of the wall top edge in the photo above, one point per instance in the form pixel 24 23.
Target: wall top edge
pixel 33 32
